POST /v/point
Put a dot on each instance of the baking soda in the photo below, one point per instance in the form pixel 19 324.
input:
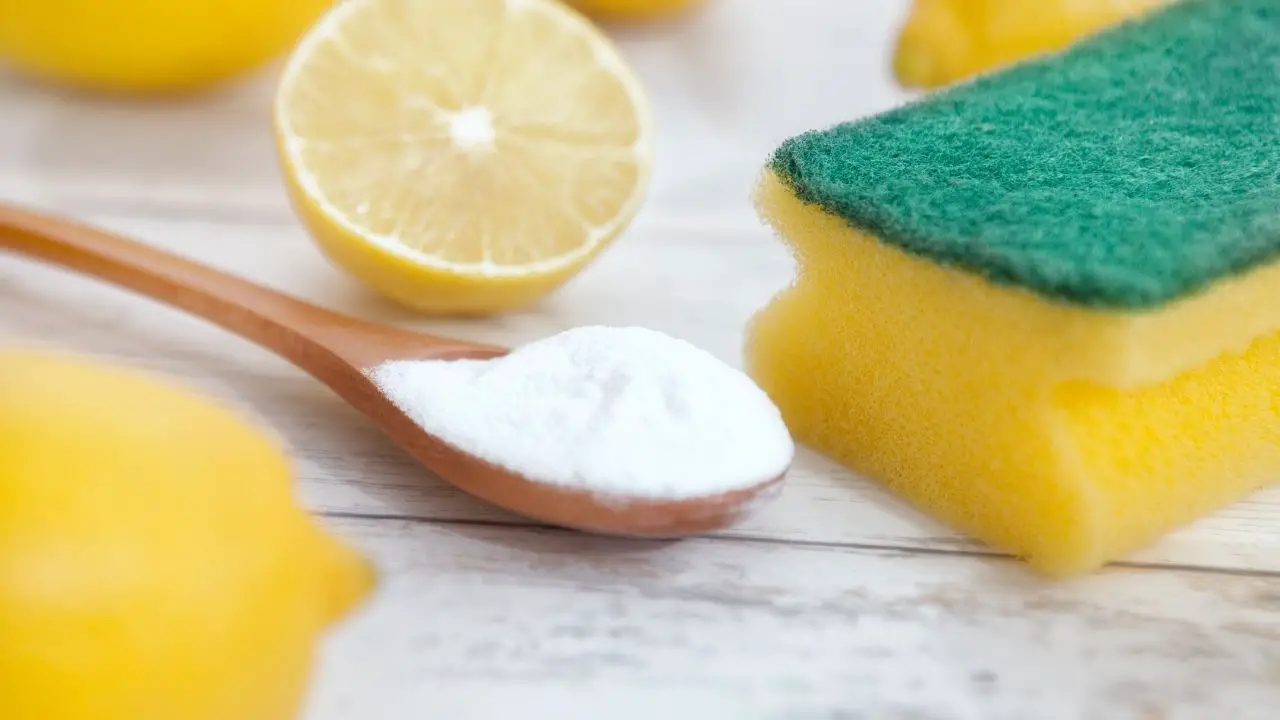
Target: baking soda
pixel 616 411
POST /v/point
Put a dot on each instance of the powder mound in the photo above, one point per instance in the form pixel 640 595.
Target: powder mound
pixel 625 412
pixel 1136 168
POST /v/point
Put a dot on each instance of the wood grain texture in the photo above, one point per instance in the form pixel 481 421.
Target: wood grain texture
pixel 475 621
pixel 835 602
pixel 708 281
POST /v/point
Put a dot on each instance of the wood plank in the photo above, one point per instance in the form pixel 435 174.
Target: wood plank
pixel 837 601
pixel 474 621
pixel 207 151
pixel 694 282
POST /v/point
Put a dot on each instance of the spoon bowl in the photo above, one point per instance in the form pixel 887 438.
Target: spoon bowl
pixel 340 351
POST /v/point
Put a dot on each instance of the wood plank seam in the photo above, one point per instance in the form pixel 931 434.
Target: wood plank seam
pixel 877 548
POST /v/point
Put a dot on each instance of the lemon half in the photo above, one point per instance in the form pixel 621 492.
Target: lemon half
pixel 462 157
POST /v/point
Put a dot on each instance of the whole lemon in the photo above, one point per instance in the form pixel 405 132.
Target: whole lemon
pixel 149 45
pixel 625 9
pixel 154 564
pixel 946 41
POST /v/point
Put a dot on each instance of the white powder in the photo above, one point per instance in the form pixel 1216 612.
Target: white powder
pixel 617 411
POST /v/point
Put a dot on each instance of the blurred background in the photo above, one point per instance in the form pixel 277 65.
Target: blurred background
pixel 729 80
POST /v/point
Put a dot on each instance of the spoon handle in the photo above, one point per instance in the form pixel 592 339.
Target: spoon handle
pixel 319 341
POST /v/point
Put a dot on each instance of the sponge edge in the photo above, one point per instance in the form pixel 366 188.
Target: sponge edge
pixel 1067 435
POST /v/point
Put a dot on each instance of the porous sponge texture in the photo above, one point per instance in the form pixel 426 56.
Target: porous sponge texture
pixel 1137 168
pixel 1065 434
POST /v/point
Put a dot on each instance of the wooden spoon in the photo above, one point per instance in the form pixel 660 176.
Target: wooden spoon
pixel 338 351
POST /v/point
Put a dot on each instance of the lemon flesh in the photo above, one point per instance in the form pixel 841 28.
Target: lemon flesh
pixel 461 157
pixel 153 560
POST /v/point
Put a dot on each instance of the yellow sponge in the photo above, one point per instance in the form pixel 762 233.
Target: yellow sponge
pixel 1066 435
pixel 1045 305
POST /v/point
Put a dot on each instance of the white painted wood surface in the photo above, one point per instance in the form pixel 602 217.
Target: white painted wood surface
pixel 837 601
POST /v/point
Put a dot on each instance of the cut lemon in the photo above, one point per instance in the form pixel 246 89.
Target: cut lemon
pixel 462 156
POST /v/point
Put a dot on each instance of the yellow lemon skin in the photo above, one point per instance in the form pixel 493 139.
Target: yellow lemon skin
pixel 154 564
pixel 946 41
pixel 632 9
pixel 419 287
pixel 149 46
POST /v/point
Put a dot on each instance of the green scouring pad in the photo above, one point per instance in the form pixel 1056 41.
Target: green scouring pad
pixel 1136 168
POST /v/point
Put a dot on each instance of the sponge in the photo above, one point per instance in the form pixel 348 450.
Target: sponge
pixel 1044 306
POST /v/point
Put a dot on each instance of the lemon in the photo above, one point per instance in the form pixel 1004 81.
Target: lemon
pixel 628 9
pixel 153 562
pixel 944 41
pixel 149 45
pixel 461 157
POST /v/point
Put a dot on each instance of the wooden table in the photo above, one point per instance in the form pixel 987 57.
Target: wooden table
pixel 837 601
